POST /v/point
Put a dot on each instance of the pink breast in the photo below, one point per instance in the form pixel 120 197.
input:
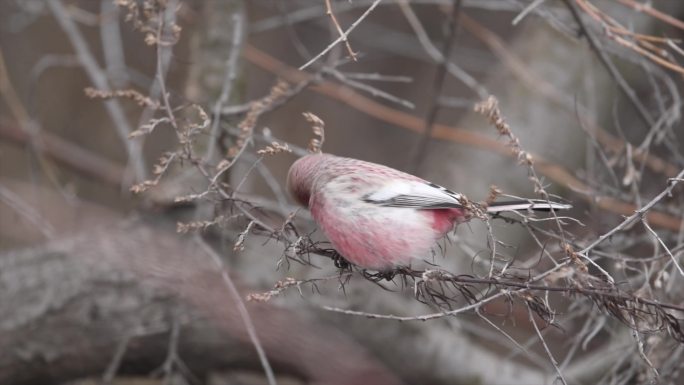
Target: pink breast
pixel 378 242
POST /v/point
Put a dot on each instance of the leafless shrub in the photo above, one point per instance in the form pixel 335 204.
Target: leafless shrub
pixel 571 275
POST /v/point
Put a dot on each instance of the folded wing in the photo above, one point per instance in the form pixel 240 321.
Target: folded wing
pixel 426 195
pixel 414 194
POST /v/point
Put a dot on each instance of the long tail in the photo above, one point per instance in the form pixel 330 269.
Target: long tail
pixel 527 204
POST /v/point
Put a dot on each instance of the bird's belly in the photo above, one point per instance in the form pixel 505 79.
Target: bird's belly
pixel 379 237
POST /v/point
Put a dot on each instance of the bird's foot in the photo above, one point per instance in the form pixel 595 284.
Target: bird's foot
pixel 339 261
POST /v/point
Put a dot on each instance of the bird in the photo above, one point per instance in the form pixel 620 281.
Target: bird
pixel 380 218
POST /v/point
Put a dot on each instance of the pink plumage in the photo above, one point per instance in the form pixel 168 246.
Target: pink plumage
pixel 377 217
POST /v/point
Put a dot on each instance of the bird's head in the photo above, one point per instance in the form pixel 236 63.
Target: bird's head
pixel 303 174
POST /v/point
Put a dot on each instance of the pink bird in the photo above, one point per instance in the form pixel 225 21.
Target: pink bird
pixel 377 217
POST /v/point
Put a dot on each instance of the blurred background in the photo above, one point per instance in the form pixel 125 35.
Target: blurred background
pixel 146 236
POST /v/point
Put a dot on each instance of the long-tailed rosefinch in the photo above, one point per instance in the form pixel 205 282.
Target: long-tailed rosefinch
pixel 377 217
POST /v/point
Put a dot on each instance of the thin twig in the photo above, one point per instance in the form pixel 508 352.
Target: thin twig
pixel 228 82
pixel 436 54
pixel 160 75
pixel 546 347
pixel 640 349
pixel 438 83
pixel 369 89
pixel 667 249
pixel 24 209
pixel 242 309
pixel 163 65
pixel 649 10
pixel 343 36
pixel 526 11
pixel 110 35
pixel 609 65
pixel 116 361
pixel 76 158
pixel 637 214
pixel 99 80
pixel 329 12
